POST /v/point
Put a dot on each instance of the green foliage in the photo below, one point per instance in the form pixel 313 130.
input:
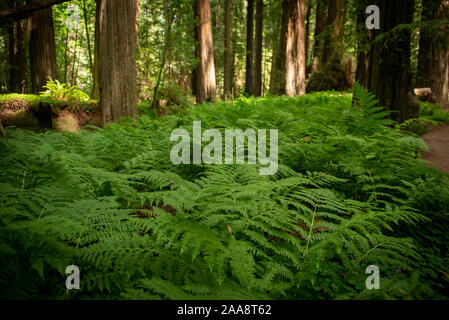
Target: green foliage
pixel 63 92
pixel 349 193
pixel 30 99
pixel 434 113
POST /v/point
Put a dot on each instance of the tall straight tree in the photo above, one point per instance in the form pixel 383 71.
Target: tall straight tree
pixel 364 37
pixel 249 82
pixel 205 72
pixel 258 49
pixel 16 59
pixel 227 50
pixel 433 61
pixel 308 13
pixel 333 47
pixel 277 81
pixel 42 47
pixel 116 58
pixel 291 66
pixel 389 76
pixel 295 48
pixel 320 27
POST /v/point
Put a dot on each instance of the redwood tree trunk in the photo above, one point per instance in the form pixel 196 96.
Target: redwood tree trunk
pixel 258 55
pixel 333 48
pixel 249 82
pixel 16 54
pixel 205 73
pixel 308 11
pixel 227 50
pixel 117 58
pixel 320 27
pixel 389 65
pixel 364 37
pixel 42 48
pixel 277 82
pixel 433 54
pixel 295 64
pixel 291 63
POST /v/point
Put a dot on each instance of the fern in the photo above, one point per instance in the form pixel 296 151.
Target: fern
pixel 110 201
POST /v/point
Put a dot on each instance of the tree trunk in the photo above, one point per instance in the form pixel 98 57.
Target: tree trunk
pixel 16 55
pixel 389 75
pixel 258 47
pixel 42 48
pixel 320 27
pixel 295 66
pixel 205 74
pixel 434 47
pixel 95 85
pixel 301 62
pixel 277 83
pixel 249 82
pixel 117 59
pixel 363 40
pixel 308 10
pixel 89 47
pixel 333 48
pixel 227 50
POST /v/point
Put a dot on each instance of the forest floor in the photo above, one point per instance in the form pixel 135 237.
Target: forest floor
pixel 438 140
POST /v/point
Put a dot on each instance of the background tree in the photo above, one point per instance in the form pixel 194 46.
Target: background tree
pixel 433 50
pixel 117 58
pixel 42 47
pixel 205 74
pixel 389 76
pixel 320 27
pixel 227 50
pixel 249 80
pixel 258 49
pixel 295 54
pixel 16 56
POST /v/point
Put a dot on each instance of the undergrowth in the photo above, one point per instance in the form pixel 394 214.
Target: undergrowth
pixel 351 191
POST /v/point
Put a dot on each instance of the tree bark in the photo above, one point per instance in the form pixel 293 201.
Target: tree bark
pixel 363 40
pixel 295 65
pixel 333 48
pixel 117 59
pixel 95 85
pixel 258 51
pixel 433 51
pixel 320 27
pixel 389 75
pixel 277 83
pixel 301 61
pixel 42 48
pixel 249 82
pixel 16 55
pixel 308 11
pixel 227 50
pixel 205 73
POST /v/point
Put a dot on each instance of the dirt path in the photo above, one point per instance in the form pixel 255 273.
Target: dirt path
pixel 438 140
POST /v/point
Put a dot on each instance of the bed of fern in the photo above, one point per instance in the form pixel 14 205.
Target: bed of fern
pixel 351 191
